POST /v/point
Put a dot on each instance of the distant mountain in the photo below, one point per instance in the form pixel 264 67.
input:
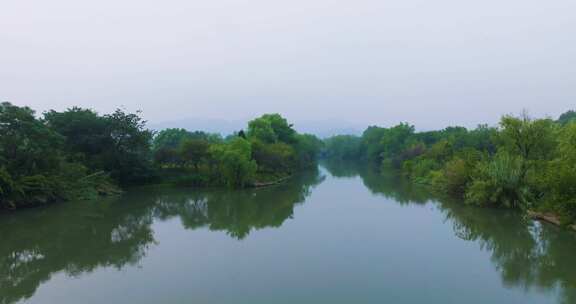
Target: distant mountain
pixel 327 128
pixel 320 128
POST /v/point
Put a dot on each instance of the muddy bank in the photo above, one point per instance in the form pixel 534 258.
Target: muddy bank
pixel 549 218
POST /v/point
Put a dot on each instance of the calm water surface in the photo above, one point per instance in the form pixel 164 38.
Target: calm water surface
pixel 342 234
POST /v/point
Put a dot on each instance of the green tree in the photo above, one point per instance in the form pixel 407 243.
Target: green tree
pixel 371 147
pixel 270 128
pixel 500 182
pixel 167 157
pixel 194 151
pixel 559 180
pixel 129 160
pixel 343 147
pixel 117 143
pixel 308 148
pixel 234 161
pixel 30 159
pixel 33 165
pixel 170 138
pixel 273 158
pixel 529 139
pixel 567 117
pixel 27 146
pixel 85 132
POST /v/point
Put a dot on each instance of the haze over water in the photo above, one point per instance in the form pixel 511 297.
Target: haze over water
pixel 431 63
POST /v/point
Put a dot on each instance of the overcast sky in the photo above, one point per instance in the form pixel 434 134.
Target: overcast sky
pixel 432 63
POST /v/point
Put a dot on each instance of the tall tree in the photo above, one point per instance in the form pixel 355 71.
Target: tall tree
pixel 194 151
pixel 118 143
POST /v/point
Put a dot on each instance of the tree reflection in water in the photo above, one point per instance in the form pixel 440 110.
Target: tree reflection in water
pixel 527 254
pixel 388 184
pixel 80 237
pixel 77 238
pixel 237 212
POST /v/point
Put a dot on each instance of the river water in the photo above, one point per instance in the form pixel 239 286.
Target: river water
pixel 339 234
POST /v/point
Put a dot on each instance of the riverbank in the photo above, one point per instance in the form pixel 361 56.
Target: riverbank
pixel 549 218
pixel 270 183
pixel 176 180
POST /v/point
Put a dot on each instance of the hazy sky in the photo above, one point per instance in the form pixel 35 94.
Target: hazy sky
pixel 432 63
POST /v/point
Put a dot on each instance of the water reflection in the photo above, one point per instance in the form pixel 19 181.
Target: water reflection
pixel 77 238
pixel 387 184
pixel 237 212
pixel 527 254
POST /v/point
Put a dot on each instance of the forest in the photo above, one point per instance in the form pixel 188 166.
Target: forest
pixel 523 163
pixel 81 154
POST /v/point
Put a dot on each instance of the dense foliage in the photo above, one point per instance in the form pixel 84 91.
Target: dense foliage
pixel 117 143
pixel 522 163
pixel 269 150
pixel 34 167
pixel 342 147
pixel 79 153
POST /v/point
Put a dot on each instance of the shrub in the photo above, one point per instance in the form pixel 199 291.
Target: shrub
pixel 419 169
pixel 559 181
pixel 500 182
pixel 455 177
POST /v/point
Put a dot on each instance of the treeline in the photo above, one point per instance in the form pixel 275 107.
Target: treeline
pixel 522 163
pixel 268 150
pixel 79 153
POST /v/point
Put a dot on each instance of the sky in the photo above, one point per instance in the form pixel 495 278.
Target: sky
pixel 363 62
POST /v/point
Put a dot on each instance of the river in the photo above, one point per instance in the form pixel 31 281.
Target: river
pixel 339 234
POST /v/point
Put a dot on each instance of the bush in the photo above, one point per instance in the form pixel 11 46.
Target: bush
pixel 235 164
pixel 559 182
pixel 419 169
pixel 276 157
pixel 560 191
pixel 454 177
pixel 500 182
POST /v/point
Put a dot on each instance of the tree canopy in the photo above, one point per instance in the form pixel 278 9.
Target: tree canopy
pixel 81 153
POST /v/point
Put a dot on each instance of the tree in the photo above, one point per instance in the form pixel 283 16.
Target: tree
pixel 500 181
pixel 567 117
pixel 530 139
pixel 270 128
pixel 194 151
pixel 170 138
pixel 396 139
pixel 278 148
pixel 85 132
pixel 27 146
pixel 343 147
pixel 236 167
pixel 29 152
pixel 308 148
pixel 33 165
pixel 558 180
pixel 129 160
pixel 273 158
pixel 118 143
pixel 167 157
